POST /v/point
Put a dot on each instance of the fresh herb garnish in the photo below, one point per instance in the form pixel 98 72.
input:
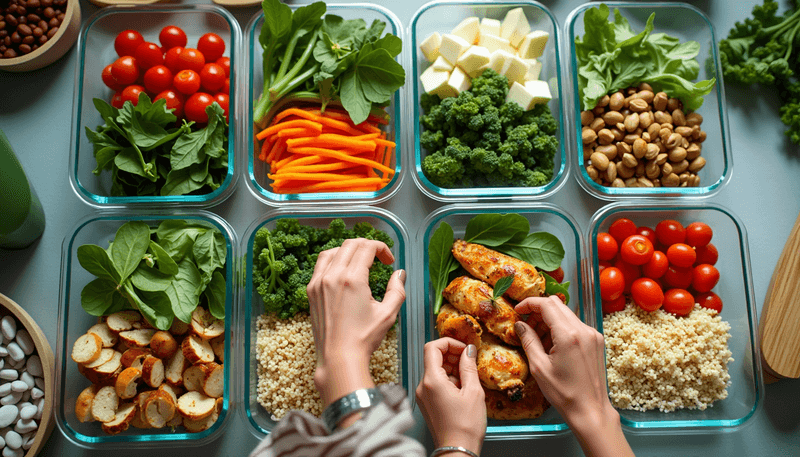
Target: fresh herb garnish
pixel 440 262
pixel 501 286
pixel 552 287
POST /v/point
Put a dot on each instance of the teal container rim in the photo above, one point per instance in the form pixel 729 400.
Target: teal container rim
pixel 650 206
pixel 615 193
pixel 498 432
pixel 202 200
pixel 408 312
pixel 460 195
pixel 399 101
pixel 147 440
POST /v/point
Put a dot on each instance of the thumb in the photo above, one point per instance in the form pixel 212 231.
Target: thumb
pixel 468 368
pixel 531 344
pixel 395 292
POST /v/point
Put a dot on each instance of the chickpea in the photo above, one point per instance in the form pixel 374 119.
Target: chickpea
pixel 586 117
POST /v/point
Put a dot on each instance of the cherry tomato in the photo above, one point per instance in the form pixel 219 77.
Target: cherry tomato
pixel 647 294
pixel 171 59
pixel 606 246
pixel 195 107
pixel 109 81
pixel 679 277
pixel 226 88
pixel 557 274
pixel 612 306
pixel 710 300
pixel 656 266
pixel 212 77
pixel 125 70
pixel 117 101
pixel 612 283
pixel 602 265
pixel 212 46
pixel 670 232
pixel 171 37
pixel 678 301
pixel 629 272
pixel 191 59
pixel 648 233
pixel 224 102
pixel 186 82
pixel 681 255
pixel 636 250
pixel 707 254
pixel 157 79
pixel 174 101
pixel 127 41
pixel 704 277
pixel 131 93
pixel 621 229
pixel 225 62
pixel 698 234
pixel 148 55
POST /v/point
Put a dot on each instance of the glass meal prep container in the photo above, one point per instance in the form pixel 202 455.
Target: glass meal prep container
pixel 442 17
pixel 260 421
pixel 685 22
pixel 257 170
pixel 96 50
pixel 74 321
pixel 543 217
pixel 735 288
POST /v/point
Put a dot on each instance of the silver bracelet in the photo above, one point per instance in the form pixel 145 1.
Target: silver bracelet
pixel 443 449
pixel 353 402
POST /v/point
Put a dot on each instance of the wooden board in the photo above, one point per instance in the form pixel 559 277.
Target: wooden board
pixel 237 3
pixel 780 315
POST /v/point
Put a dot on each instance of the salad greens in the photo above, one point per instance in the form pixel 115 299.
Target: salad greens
pixel 163 273
pixel 507 233
pixel 327 59
pixel 148 154
pixel 612 56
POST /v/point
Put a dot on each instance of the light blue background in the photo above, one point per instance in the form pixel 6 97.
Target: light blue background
pixel 35 114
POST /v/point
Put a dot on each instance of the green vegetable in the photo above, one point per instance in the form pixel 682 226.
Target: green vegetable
pixel 501 286
pixel 551 287
pixel 612 56
pixel 138 272
pixel 149 155
pixel 284 260
pixel 759 51
pixel 440 262
pixel 327 60
pixel 478 140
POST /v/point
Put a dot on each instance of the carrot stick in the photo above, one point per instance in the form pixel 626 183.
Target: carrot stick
pixel 339 125
pixel 297 160
pixel 345 184
pixel 384 142
pixel 341 167
pixel 387 157
pixel 297 112
pixel 330 139
pixel 345 157
pixel 264 147
pixel 295 132
pixel 310 125
pixel 277 151
pixel 308 176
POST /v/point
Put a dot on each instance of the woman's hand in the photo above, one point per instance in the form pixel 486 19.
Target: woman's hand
pixel 348 323
pixel 450 395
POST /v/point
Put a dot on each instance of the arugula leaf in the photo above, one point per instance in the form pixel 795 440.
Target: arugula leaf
pixel 96 261
pixel 440 262
pixel 552 287
pixel 215 295
pixel 491 229
pixel 540 249
pixel 98 296
pixel 164 262
pixel 501 286
pixel 130 245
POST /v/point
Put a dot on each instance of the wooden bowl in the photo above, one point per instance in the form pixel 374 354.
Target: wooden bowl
pixel 102 3
pixel 56 47
pixel 8 307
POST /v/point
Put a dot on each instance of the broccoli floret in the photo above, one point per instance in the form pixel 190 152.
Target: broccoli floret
pixel 457 150
pixel 489 140
pixel 517 142
pixel 379 276
pixel 432 140
pixel 484 161
pixel 442 169
pixel 510 113
pixel 428 101
pixel 492 85
pixel 337 228
pixel 435 118
pixel 541 116
pixel 545 145
pixel 366 230
pixel 535 179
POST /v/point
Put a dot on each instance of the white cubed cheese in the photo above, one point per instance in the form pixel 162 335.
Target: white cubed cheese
pixel 533 44
pixel 498 59
pixel 515 26
pixel 452 47
pixel 515 70
pixel 459 81
pixel 519 94
pixel 490 27
pixel 430 46
pixel 468 29
pixel 442 65
pixel 534 69
pixel 494 43
pixel 473 60
pixel 435 82
pixel 540 91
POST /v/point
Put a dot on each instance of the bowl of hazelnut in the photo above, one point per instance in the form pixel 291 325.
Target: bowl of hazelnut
pixel 36 33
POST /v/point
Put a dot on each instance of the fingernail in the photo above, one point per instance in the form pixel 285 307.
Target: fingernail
pixel 401 275
pixel 471 350
pixel 520 328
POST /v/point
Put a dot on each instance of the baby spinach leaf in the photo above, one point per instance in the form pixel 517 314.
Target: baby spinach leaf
pixel 176 236
pixel 130 159
pixel 184 292
pixel 551 287
pixel 373 78
pixel 105 157
pixel 150 279
pixel 215 295
pixel 96 261
pixel 164 262
pixel 373 33
pixel 130 245
pixel 98 296
pixel 210 251
pixel 156 307
pixel 492 229
pixel 540 249
pixel 440 262
pixel 501 286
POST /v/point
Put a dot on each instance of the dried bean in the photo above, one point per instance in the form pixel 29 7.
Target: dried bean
pixel 586 117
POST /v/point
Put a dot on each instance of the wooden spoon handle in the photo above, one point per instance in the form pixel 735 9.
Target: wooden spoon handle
pixel 780 315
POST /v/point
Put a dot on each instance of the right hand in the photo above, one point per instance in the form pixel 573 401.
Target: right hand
pixel 450 395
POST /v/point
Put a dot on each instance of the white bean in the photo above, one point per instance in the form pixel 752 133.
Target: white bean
pixel 9 374
pixel 27 378
pixel 28 412
pixel 13 440
pixel 19 386
pixel 28 439
pixel 8 452
pixel 35 366
pixel 11 399
pixel 8 414
pixel 36 393
pixel 3 351
pixel 8 325
pixel 2 442
pixel 15 352
pixel 25 426
pixel 5 389
pixel 25 342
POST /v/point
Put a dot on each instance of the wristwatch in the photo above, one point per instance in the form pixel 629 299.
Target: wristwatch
pixel 360 400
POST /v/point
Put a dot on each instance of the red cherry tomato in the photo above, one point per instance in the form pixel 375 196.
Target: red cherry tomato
pixel 174 101
pixel 131 93
pixel 125 70
pixel 224 102
pixel 157 79
pixel 195 107
pixel 109 80
pixel 212 77
pixel 603 265
pixel 636 250
pixel 621 229
pixel 606 246
pixel 612 306
pixel 648 233
pixel 647 294
pixel 117 101
pixel 656 266
pixel 226 88
pixel 612 283
pixel 670 232
pixel 629 272
pixel 225 62
pixel 171 59
pixel 186 82
pixel 171 37
pixel 707 254
pixel 678 301
pixel 704 277
pixel 127 41
pixel 679 277
pixel 148 55
pixel 681 255
pixel 557 274
pixel 710 300
pixel 191 59
pixel 212 46
pixel 698 234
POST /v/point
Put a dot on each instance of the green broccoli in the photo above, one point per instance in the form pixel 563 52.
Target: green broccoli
pixel 442 170
pixel 432 140
pixel 491 84
pixel 510 113
pixel 484 161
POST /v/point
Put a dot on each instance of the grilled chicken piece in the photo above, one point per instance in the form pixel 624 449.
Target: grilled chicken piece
pixel 474 297
pixel 489 265
pixel 502 367
pixel 457 325
pixel 532 405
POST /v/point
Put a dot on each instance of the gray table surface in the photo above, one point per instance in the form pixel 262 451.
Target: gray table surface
pixel 35 114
